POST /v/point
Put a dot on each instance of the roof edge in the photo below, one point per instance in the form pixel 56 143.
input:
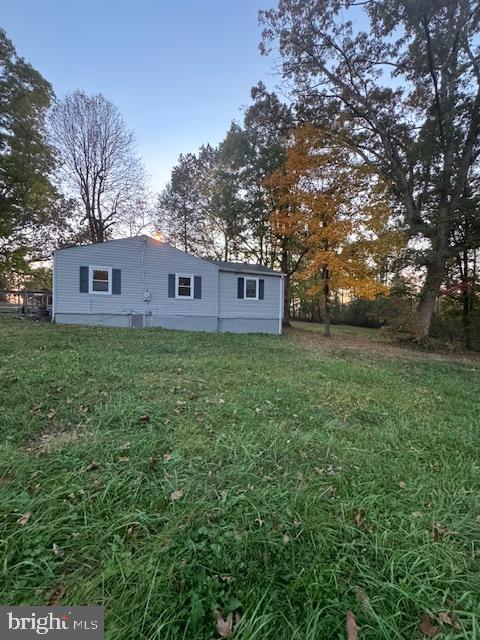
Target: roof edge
pixel 253 270
pixel 94 244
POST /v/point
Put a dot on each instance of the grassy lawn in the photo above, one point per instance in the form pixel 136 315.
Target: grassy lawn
pixel 287 485
pixel 338 329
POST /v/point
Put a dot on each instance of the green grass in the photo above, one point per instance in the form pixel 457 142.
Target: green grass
pixel 306 478
pixel 338 329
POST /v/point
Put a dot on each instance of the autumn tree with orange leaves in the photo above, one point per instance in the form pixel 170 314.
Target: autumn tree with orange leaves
pixel 337 214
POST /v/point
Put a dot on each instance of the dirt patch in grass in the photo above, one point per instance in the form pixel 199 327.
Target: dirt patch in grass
pixel 338 345
pixel 53 439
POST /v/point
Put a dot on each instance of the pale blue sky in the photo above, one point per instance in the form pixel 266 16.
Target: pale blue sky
pixel 179 70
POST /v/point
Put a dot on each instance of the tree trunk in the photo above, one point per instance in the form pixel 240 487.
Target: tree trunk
pixel 100 233
pixel 428 297
pixel 326 322
pixel 286 284
pixel 327 300
pixel 466 310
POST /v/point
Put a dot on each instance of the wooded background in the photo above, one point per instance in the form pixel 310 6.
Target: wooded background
pixel 362 186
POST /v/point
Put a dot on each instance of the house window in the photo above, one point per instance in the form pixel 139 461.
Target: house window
pixel 251 288
pixel 184 286
pixel 100 280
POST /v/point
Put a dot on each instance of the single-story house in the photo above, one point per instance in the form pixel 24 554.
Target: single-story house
pixel 143 282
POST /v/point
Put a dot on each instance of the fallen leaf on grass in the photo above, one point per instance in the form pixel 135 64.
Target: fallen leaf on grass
pixel 167 457
pixel 402 484
pixel 362 595
pixel 133 530
pixel 362 523
pixel 56 595
pixel 427 627
pixel 449 619
pixel 225 626
pixel 351 626
pixel 332 470
pixel 25 518
pixel 34 488
pixel 285 539
pixel 439 532
pixel 58 552
pixel 92 466
pixel 330 491
pixel 144 418
pixel 176 495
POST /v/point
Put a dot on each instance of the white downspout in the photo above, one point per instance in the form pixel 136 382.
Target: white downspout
pixel 280 306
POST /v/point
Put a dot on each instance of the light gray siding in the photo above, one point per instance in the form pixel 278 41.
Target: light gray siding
pixel 158 259
pixel 101 319
pixel 184 323
pixel 248 325
pixel 232 307
pixel 145 265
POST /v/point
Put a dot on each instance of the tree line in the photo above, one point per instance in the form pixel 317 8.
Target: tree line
pixel 371 169
pixel 366 175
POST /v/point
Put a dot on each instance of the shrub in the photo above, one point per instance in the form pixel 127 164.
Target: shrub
pixel 397 316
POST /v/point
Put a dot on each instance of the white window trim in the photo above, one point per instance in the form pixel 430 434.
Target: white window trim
pixel 245 288
pixel 177 279
pixel 91 269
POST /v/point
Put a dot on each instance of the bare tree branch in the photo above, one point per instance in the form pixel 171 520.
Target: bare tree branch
pixel 99 163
